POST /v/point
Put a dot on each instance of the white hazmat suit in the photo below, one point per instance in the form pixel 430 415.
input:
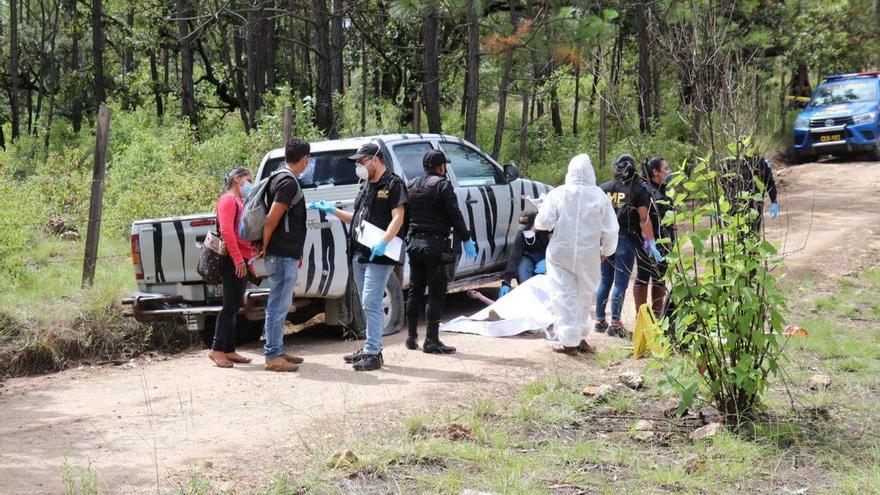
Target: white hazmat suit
pixel 584 228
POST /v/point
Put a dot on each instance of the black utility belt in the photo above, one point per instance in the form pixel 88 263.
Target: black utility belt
pixel 431 235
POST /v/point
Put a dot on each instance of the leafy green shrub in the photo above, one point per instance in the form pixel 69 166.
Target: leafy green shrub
pixel 727 304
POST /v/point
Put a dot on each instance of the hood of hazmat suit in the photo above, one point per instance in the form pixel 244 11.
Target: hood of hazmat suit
pixel 584 228
pixel 581 217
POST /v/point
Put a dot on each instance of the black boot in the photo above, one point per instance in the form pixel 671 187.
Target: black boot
pixel 432 343
pixel 412 341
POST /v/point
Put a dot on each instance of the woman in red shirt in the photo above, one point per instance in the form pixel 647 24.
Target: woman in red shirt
pixel 235 266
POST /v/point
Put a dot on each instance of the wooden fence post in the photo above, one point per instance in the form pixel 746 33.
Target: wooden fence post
pixel 288 124
pixel 417 117
pixel 102 132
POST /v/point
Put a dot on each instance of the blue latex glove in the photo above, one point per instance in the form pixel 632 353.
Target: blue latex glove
pixel 774 210
pixel 470 250
pixel 541 267
pixel 651 247
pixel 378 249
pixel 504 290
pixel 322 205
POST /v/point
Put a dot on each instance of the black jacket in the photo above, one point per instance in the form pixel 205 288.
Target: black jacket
pixel 537 250
pixel 433 215
pixel 660 204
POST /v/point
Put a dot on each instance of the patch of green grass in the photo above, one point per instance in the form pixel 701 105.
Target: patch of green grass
pixel 79 480
pixel 612 357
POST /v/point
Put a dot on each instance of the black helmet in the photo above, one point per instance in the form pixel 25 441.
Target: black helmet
pixel 624 167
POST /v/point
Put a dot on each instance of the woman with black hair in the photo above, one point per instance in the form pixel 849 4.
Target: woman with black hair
pixel 650 271
pixel 235 266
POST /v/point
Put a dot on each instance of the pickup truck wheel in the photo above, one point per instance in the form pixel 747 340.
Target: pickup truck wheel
pixel 392 306
pixel 874 155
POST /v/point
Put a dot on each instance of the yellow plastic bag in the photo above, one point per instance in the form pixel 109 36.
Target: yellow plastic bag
pixel 646 332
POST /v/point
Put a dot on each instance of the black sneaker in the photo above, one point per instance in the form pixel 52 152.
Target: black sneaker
pixel 357 355
pixel 354 356
pixel 617 329
pixel 601 326
pixel 368 362
pixel 412 342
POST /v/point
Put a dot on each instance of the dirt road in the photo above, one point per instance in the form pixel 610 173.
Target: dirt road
pixel 141 427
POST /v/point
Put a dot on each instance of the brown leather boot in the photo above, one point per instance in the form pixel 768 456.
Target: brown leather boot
pixel 291 358
pixel 640 296
pixel 278 363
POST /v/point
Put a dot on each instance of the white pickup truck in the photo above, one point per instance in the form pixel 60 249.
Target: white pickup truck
pixel 165 251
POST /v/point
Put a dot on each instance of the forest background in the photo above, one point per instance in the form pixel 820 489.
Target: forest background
pixel 197 86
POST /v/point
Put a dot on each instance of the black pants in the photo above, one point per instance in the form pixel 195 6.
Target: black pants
pixel 233 298
pixel 426 271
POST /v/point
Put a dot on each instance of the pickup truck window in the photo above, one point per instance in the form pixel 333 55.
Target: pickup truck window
pixel 410 156
pixel 327 168
pixel 471 168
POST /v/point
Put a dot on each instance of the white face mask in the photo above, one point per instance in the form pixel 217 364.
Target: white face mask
pixel 361 172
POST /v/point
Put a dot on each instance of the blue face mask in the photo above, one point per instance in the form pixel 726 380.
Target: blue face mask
pixel 246 188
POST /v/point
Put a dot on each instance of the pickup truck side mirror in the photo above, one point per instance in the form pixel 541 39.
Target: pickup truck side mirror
pixel 511 173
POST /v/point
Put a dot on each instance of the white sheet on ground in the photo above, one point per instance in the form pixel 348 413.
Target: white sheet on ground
pixel 524 309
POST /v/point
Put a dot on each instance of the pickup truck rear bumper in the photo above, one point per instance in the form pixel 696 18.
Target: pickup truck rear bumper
pixel 151 307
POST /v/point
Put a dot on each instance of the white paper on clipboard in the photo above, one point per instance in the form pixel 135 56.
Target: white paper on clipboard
pixel 536 202
pixel 369 235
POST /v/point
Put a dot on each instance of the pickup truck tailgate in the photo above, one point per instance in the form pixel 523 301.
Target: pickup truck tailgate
pixel 170 247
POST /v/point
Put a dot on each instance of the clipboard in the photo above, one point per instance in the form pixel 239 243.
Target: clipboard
pixel 369 235
pixel 535 202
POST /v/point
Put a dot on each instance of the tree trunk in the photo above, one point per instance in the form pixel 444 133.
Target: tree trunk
pixel 473 73
pixel 643 83
pixel 336 46
pixel 655 84
pixel 502 103
pixel 157 85
pixel 13 67
pixel 431 94
pixel 251 44
pixel 270 47
pixel 98 50
pixel 188 99
pixel 364 75
pixel 577 98
pixel 76 95
pixel 524 129
pixel 324 92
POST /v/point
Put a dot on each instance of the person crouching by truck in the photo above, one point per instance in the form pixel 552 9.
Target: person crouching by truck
pixel 433 215
pixel 650 271
pixel 527 258
pixel 235 267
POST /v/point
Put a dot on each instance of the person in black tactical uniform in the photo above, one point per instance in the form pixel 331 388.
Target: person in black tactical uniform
pixel 650 272
pixel 433 214
pixel 746 174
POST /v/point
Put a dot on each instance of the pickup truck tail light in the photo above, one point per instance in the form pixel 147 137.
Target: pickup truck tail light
pixel 136 257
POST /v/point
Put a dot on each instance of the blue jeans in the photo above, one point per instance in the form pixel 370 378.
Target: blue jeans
pixel 282 275
pixel 616 270
pixel 370 279
pixel 526 268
